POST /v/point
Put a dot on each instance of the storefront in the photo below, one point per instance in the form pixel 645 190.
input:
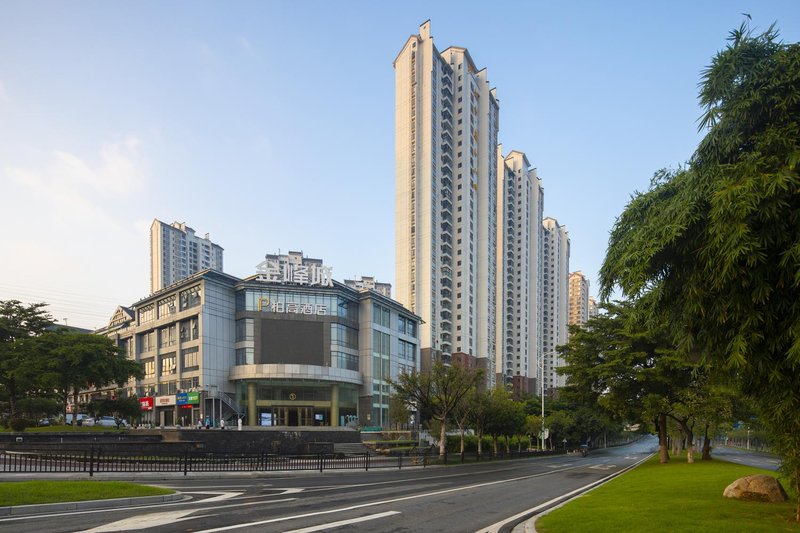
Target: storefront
pixel 188 408
pixel 147 404
pixel 165 410
pixel 301 402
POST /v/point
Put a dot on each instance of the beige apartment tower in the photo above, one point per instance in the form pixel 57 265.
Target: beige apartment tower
pixel 592 307
pixel 578 298
pixel 520 248
pixel 555 304
pixel 446 125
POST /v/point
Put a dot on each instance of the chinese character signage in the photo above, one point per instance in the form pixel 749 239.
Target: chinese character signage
pixel 187 398
pixel 264 304
pixel 276 271
pixel 146 403
pixel 166 400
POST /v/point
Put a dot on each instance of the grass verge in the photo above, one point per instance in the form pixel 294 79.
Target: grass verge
pixel 672 497
pixel 32 492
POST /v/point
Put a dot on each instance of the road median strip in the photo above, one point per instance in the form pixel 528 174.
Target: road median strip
pixel 38 508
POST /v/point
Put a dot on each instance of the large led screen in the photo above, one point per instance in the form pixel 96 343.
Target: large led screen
pixel 292 341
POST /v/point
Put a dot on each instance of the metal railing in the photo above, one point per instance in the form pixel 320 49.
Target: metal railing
pixel 97 461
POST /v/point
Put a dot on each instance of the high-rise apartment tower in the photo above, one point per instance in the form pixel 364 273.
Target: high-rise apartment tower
pixel 520 247
pixel 555 292
pixel 176 253
pixel 446 124
pixel 592 307
pixel 578 298
pixel 370 283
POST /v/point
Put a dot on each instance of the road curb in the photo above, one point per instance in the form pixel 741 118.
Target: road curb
pixel 529 525
pixel 21 510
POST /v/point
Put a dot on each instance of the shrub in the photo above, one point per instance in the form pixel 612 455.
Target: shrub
pixel 18 424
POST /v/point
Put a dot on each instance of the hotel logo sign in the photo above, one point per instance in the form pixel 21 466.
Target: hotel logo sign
pixel 276 271
pixel 264 304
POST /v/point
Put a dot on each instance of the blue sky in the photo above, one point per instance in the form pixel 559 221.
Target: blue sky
pixel 270 125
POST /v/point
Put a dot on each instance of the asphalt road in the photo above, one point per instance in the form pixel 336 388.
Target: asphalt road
pixel 745 457
pixel 480 497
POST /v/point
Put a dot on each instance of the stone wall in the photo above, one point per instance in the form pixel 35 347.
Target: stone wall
pixel 283 441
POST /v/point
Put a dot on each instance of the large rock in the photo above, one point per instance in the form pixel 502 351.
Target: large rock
pixel 759 488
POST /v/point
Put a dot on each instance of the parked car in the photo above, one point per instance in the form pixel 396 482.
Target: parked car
pixel 43 422
pixel 110 421
pixel 83 420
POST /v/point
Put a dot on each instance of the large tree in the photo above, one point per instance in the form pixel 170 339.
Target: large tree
pixel 627 367
pixel 19 324
pixel 714 248
pixel 507 417
pixel 78 361
pixel 437 392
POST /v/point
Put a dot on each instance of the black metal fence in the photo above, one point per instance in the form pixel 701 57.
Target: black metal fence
pixel 469 457
pixel 96 461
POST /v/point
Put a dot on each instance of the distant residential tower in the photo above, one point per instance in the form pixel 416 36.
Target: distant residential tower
pixel 520 246
pixel 578 298
pixel 177 253
pixel 370 283
pixel 555 292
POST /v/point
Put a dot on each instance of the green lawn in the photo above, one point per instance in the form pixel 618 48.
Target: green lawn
pixel 30 492
pixel 673 497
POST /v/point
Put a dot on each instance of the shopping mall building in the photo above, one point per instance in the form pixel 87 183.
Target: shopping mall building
pixel 287 346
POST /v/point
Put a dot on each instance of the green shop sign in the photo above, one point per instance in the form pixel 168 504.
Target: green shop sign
pixel 184 398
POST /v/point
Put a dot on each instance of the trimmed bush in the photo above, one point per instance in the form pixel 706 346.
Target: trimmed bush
pixel 18 424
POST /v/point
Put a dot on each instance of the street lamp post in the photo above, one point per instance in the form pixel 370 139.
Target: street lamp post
pixel 541 379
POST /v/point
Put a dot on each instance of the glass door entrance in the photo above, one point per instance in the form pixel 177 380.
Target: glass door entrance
pixel 292 416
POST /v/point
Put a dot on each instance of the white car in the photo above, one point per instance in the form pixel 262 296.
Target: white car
pixel 83 420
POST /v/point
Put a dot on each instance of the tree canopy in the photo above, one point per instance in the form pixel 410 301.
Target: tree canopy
pixel 629 369
pixel 19 324
pixel 437 392
pixel 713 249
pixel 39 363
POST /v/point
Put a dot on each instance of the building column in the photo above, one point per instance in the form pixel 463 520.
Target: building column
pixel 252 411
pixel 334 405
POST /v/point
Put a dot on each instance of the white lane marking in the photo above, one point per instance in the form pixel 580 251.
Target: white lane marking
pixel 221 495
pixel 139 508
pixel 603 467
pixel 495 528
pixel 383 502
pixel 340 523
pixel 209 487
pixel 142 521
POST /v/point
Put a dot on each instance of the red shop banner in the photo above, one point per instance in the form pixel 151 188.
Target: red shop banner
pixel 146 403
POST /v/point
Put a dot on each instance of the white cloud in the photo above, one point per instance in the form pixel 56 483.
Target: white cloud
pixel 119 171
pixel 72 224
